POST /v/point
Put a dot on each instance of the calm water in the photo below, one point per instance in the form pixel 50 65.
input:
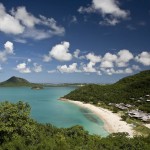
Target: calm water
pixel 46 108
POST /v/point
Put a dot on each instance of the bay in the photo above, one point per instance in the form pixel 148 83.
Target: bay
pixel 46 108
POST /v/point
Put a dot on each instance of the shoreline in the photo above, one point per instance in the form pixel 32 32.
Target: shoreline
pixel 112 121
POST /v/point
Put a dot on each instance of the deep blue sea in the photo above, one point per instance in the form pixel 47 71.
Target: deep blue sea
pixel 46 108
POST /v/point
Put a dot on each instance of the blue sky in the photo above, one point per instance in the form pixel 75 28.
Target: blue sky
pixel 92 41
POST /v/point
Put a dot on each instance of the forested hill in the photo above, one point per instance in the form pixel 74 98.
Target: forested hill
pixel 122 91
pixel 16 81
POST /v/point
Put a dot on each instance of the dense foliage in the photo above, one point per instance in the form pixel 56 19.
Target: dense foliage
pixel 123 91
pixel 19 132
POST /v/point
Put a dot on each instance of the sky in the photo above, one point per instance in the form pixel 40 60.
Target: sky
pixel 64 41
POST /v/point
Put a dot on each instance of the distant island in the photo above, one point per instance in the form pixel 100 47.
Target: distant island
pixel 37 87
pixel 17 81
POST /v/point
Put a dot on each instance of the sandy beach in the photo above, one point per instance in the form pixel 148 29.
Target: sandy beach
pixel 147 125
pixel 112 121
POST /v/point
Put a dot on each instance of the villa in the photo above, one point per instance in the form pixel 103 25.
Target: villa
pixel 139 115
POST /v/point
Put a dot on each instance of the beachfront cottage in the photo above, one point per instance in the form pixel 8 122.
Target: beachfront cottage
pixel 121 106
pixel 128 105
pixel 139 115
pixel 146 118
pixel 111 104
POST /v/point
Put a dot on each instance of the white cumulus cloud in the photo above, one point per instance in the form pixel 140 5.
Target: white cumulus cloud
pixel 143 58
pixel 109 7
pixel 26 18
pixel 29 60
pixel 9 47
pixel 136 67
pixel 8 23
pixel 8 50
pixel 76 53
pixel 128 70
pixel 59 52
pixel 93 58
pixel 51 71
pixel 89 67
pixel 109 10
pixel 22 68
pixel 68 69
pixel 47 58
pixel 37 68
pixel 107 64
pixel 124 56
pixel 111 71
pixel 108 22
pixel 108 60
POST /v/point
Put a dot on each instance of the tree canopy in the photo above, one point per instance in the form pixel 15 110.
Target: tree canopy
pixel 19 132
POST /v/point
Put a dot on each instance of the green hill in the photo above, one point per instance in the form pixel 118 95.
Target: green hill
pixel 122 91
pixel 143 76
pixel 16 81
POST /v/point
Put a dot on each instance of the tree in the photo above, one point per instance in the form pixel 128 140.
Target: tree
pixel 14 120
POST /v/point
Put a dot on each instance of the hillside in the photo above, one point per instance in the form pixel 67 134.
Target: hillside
pixel 16 81
pixel 139 78
pixel 122 91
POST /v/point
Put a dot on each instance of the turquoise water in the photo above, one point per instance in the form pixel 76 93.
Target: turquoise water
pixel 46 108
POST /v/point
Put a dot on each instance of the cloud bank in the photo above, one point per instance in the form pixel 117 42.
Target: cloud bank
pixel 121 62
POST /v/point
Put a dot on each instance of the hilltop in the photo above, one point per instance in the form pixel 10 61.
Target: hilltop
pixel 16 81
pixel 134 86
pixel 139 78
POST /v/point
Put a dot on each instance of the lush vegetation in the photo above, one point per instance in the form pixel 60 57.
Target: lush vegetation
pixel 19 132
pixel 127 90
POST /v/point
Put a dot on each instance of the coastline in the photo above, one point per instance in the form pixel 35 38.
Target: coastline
pixel 112 121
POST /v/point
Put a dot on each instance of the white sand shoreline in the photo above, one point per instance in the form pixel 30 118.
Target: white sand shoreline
pixel 112 121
